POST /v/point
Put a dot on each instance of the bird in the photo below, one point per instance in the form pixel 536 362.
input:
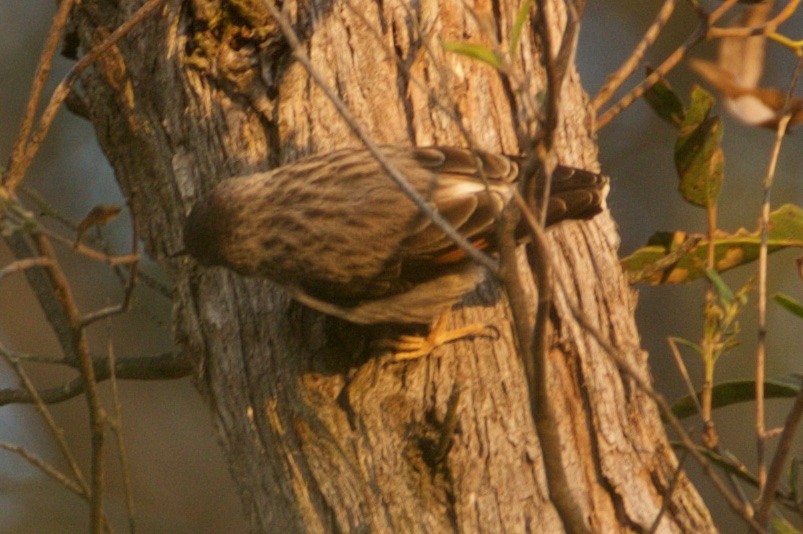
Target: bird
pixel 342 238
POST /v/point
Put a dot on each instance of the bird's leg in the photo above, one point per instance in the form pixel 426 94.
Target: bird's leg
pixel 411 347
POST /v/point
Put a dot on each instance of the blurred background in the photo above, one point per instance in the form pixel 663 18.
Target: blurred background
pixel 180 480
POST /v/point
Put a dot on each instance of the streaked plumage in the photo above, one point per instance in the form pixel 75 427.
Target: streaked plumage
pixel 339 234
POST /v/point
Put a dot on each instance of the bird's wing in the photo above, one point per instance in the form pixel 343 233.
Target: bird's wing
pixel 470 191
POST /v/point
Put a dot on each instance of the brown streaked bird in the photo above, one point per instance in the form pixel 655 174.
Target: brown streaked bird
pixel 342 238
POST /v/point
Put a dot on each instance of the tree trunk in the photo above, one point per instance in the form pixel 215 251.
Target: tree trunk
pixel 319 436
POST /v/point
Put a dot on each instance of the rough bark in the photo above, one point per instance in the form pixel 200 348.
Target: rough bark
pixel 320 437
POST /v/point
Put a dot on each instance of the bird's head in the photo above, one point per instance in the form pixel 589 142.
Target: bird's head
pixel 205 230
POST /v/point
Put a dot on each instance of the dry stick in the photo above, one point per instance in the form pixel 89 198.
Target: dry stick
pixel 620 360
pixel 44 467
pixel 166 366
pixel 116 424
pixel 128 292
pixel 766 185
pixel 21 265
pixel 49 286
pixel 616 79
pixel 704 30
pixel 778 461
pixel 684 372
pixel 43 410
pixel 542 157
pixel 534 349
pixel 721 10
pixel 20 163
pixel 541 406
pixel 761 348
pixel 666 496
pixel 669 63
pixel 46 209
pixel 79 341
pixel 394 173
pixel 764 29
pixel 14 214
pixel 90 252
pixel 42 72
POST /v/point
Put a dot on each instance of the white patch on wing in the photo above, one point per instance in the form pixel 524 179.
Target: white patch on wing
pixel 750 110
pixel 451 188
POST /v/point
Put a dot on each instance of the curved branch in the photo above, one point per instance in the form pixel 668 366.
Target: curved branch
pixel 166 366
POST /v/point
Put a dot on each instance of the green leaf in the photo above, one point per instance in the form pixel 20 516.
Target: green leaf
pixel 789 303
pixel 701 104
pixel 730 250
pixel 665 102
pixel 699 158
pixel 722 289
pixel 474 51
pixel 728 393
pixel 518 25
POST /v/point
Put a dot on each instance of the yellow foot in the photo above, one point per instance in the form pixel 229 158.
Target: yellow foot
pixel 408 347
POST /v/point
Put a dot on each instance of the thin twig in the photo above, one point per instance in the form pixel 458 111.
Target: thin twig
pixel 761 348
pixel 167 366
pixel 21 161
pixel 660 72
pixel 684 372
pixel 699 34
pixel 401 181
pixel 765 29
pixel 721 10
pixel 779 460
pixel 79 341
pixel 90 252
pixel 536 364
pixel 666 496
pixel 44 467
pixel 22 265
pixel 133 272
pixel 36 399
pixel 116 424
pixel 766 186
pixel 616 79
pixel 42 72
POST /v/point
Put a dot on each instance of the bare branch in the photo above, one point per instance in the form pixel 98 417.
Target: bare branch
pixel 36 399
pixel 616 79
pixel 779 460
pixel 42 72
pixel 44 467
pixel 64 296
pixel 166 366
pixel 116 423
pixel 22 265
pixel 28 148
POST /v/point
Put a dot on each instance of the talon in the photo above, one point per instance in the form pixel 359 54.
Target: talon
pixel 410 347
